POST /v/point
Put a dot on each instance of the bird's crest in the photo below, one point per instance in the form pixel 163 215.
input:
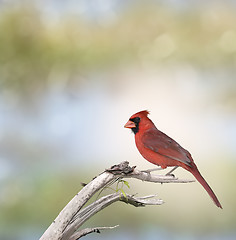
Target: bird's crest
pixel 142 113
pixel 145 112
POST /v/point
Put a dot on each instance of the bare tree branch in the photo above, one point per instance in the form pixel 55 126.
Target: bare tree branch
pixel 104 202
pixel 74 215
pixel 58 226
pixel 86 231
pixel 148 177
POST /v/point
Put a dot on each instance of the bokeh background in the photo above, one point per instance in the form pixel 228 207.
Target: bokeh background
pixel 73 72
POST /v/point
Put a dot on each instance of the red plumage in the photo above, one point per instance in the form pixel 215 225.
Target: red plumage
pixel 159 149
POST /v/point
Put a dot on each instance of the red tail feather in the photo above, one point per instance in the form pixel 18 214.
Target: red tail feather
pixel 203 182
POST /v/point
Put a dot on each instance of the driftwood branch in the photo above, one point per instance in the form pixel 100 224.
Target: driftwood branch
pixel 71 218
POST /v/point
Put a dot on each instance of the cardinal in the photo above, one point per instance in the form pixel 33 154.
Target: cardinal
pixel 159 149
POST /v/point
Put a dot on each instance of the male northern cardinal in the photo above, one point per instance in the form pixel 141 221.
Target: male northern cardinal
pixel 159 149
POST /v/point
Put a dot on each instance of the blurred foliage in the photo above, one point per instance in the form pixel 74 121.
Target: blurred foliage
pixel 36 203
pixel 34 53
pixel 32 202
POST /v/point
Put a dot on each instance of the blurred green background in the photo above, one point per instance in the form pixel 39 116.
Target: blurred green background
pixel 73 72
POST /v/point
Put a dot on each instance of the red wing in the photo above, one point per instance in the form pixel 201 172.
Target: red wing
pixel 162 144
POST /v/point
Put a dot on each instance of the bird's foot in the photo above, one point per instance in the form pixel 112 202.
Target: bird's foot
pixel 170 172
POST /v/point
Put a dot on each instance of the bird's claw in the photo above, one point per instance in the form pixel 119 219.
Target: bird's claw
pixel 171 175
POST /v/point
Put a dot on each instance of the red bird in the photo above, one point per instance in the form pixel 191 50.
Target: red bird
pixel 159 149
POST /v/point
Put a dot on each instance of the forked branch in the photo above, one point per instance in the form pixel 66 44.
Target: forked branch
pixel 74 214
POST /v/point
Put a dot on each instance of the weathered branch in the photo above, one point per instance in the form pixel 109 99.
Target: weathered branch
pixel 56 230
pixel 148 177
pixel 86 231
pixel 74 215
pixel 104 202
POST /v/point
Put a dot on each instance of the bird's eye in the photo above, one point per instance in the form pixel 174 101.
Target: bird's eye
pixel 135 120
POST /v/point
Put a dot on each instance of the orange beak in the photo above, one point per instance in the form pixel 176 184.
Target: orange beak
pixel 130 124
